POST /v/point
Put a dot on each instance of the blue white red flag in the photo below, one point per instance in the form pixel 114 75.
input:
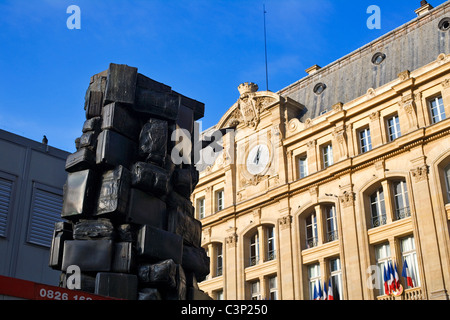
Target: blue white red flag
pixel 386 281
pixel 325 291
pixel 407 274
pixel 330 291
pixel 396 277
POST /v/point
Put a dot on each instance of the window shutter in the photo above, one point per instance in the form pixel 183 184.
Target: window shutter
pixel 46 211
pixel 6 187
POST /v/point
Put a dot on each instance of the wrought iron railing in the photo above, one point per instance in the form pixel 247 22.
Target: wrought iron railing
pixel 332 235
pixel 378 221
pixel 254 261
pixel 311 242
pixel 402 213
pixel 271 255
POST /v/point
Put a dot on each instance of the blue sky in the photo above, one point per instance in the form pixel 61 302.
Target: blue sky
pixel 201 48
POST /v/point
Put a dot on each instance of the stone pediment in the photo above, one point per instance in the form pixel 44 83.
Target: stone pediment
pixel 249 108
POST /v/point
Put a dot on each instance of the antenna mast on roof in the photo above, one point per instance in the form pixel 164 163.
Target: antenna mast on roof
pixel 265 47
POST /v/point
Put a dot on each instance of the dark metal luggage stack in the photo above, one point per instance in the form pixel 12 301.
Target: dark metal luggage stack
pixel 129 223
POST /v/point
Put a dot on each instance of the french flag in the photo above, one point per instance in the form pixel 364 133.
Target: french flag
pixel 391 282
pixel 396 277
pixel 407 275
pixel 330 291
pixel 319 293
pixel 325 291
pixel 316 295
pixel 386 281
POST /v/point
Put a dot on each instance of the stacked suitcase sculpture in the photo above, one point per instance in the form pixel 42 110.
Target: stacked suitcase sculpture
pixel 129 223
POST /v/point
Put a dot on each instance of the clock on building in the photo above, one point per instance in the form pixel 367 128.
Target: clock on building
pixel 258 159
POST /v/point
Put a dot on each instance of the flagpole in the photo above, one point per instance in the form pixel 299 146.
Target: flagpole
pixel 265 47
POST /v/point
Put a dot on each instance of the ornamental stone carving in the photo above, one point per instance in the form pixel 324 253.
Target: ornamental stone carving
pixel 347 199
pixel 285 222
pixel 232 240
pixel 420 173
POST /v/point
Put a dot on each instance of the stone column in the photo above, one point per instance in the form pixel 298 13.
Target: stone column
pixel 231 263
pixel 313 160
pixel 284 256
pixel 376 134
pixel 446 96
pixel 349 241
pixel 427 233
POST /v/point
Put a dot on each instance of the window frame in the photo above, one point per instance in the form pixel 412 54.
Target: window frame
pixel 254 244
pixel 404 211
pixel 396 132
pixel 380 204
pixel 410 255
pixel 440 108
pixel 314 231
pixel 302 163
pixel 365 140
pixel 201 202
pixel 270 243
pixel 313 278
pixel 327 155
pixel 220 200
pixel 332 229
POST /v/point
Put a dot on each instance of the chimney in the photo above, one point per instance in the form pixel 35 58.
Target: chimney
pixel 424 8
pixel 313 69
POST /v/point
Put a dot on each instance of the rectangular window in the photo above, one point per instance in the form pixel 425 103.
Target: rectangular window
pixel 437 109
pixel 447 182
pixel 336 278
pixel 302 167
pixel 311 231
pixel 327 154
pixel 254 291
pixel 219 260
pixel 220 200
pixel 201 208
pixel 401 200
pixel 383 256
pixel 393 125
pixel 378 208
pixel 409 259
pixel 254 250
pixel 6 189
pixel 314 278
pixel 365 141
pixel 332 231
pixel 271 255
pixel 273 290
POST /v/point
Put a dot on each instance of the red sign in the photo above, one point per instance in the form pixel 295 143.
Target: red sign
pixel 36 291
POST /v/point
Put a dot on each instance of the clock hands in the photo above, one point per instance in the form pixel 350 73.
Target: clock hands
pixel 257 156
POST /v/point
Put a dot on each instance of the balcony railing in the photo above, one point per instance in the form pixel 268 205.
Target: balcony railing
pixel 332 235
pixel 254 261
pixel 409 294
pixel 402 213
pixel 311 242
pixel 271 255
pixel 378 221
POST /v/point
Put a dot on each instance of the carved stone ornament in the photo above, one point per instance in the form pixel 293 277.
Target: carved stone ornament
pixel 232 240
pixel 405 75
pixel 285 222
pixel 338 107
pixel 249 106
pixel 347 199
pixel 420 173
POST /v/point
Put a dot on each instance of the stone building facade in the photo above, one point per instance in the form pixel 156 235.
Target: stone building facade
pixel 336 177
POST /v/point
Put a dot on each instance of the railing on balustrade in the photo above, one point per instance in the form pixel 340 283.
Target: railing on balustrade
pixel 408 294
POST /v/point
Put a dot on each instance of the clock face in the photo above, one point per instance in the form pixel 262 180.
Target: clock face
pixel 258 159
